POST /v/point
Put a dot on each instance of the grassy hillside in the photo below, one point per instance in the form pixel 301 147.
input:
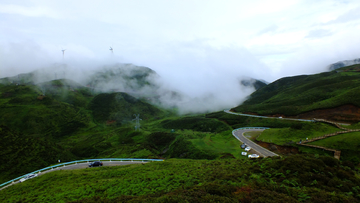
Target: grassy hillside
pixel 349 144
pixel 293 134
pixel 292 96
pixel 25 109
pixel 123 77
pixel 121 107
pixel 102 125
pixel 292 179
pixel 21 154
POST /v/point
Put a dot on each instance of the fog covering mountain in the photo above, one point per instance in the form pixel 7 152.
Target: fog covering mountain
pixel 344 63
pixel 330 95
pixel 138 81
pixel 251 82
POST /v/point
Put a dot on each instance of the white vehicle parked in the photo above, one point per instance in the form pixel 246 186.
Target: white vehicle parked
pixel 29 176
pixel 253 156
pixel 247 149
pixel 244 153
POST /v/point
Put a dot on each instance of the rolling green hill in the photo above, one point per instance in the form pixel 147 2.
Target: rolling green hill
pixel 293 96
pixel 122 77
pixel 121 107
pixel 21 154
pixel 292 179
pixel 23 108
pixel 68 116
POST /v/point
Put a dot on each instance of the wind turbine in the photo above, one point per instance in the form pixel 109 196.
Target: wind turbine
pixel 63 51
pixel 112 50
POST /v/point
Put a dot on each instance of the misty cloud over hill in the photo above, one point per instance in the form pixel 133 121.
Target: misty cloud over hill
pixel 142 82
pixel 341 64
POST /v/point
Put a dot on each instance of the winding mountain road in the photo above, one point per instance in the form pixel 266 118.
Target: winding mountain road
pixel 281 118
pixel 239 134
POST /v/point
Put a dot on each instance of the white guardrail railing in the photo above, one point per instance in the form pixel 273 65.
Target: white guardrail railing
pixel 244 128
pixel 76 162
pixel 256 116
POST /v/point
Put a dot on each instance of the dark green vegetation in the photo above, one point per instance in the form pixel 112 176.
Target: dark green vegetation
pixel 287 133
pixel 66 117
pixel 349 144
pixel 120 107
pixel 292 96
pixel 21 154
pixel 70 122
pixel 296 132
pixel 75 122
pixel 196 124
pixel 292 179
pixel 127 75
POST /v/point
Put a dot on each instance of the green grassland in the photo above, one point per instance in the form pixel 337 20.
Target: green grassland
pixel 282 136
pixel 295 95
pixel 348 143
pixel 64 120
pixel 292 179
pixel 21 154
pixel 102 126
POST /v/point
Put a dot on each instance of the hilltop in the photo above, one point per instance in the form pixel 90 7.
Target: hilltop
pixel 341 64
pixel 330 95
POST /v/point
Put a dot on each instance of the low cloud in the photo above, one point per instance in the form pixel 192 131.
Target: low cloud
pixel 319 33
pixel 268 30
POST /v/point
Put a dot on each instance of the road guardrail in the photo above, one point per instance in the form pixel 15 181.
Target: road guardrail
pixel 76 162
pixel 256 116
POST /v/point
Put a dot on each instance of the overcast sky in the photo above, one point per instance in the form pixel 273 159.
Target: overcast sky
pixel 201 40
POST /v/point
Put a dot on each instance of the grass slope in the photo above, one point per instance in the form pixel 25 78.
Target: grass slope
pixel 348 143
pixel 21 154
pixel 24 109
pixel 282 136
pixel 295 95
pixel 121 107
pixel 293 179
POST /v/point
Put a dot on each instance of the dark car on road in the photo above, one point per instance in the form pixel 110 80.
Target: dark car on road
pixel 95 163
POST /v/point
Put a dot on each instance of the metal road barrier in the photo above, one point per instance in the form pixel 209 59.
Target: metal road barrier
pixel 256 116
pixel 79 161
pixel 244 128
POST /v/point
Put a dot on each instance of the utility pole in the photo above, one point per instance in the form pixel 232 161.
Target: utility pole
pixel 137 119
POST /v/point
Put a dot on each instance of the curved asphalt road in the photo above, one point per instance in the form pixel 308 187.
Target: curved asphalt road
pixel 82 166
pixel 290 119
pixel 239 134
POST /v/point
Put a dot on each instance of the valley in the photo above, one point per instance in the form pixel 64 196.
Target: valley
pixel 62 119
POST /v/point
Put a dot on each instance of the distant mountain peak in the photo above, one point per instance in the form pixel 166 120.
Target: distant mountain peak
pixel 251 82
pixel 344 63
